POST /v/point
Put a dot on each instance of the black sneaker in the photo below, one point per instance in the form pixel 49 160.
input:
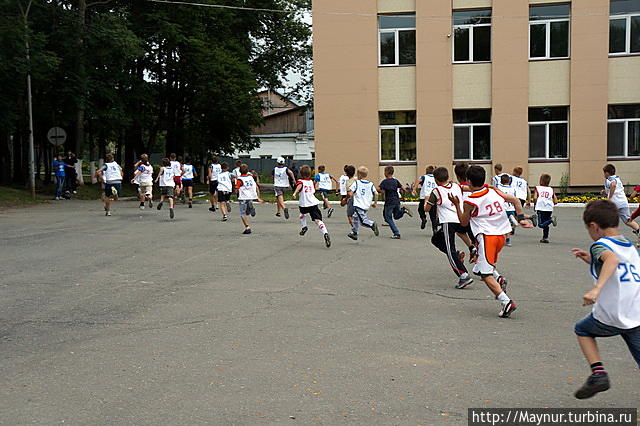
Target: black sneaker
pixel 396 237
pixel 225 217
pixel 374 227
pixel 407 212
pixel 190 205
pixel 286 213
pixel 327 240
pixel 423 223
pixel 544 241
pixel 247 231
pixel 464 282
pixel 507 309
pixel 171 215
pixel 278 214
pixel 329 212
pixel 503 283
pixel 159 205
pixel 212 209
pixel 304 230
pixel 353 236
pixel 594 384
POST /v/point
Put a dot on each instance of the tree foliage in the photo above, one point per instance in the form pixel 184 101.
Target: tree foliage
pixel 140 76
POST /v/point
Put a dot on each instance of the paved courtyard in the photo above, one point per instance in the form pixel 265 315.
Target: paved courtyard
pixel 137 319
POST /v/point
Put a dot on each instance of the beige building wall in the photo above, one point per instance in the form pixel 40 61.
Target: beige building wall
pixel 556 170
pixel 397 88
pixel 391 6
pixel 624 80
pixel 345 54
pixel 433 86
pixel 550 83
pixel 471 4
pixel 510 81
pixel 471 86
pixel 589 90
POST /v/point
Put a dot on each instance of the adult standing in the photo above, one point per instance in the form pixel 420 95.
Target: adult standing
pixel 71 176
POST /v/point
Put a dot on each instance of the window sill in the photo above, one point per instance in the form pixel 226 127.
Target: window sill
pixel 623 55
pixel 623 158
pixel 549 59
pixel 469 62
pixel 548 160
pixel 397 163
pixel 472 162
pixel 395 66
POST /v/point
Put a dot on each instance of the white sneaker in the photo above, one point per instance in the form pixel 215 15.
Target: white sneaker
pixel 108 213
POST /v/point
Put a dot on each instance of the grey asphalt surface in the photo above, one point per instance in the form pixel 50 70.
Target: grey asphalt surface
pixel 137 319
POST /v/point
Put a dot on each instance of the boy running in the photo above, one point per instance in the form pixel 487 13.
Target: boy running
pixel 347 200
pixel 248 191
pixel 212 177
pixel 545 198
pixel 167 184
pixel 325 186
pixel 177 174
pixel 445 236
pixel 111 175
pixel 614 190
pixel 464 232
pixel 308 204
pixel 616 295
pixel 426 183
pixel 364 195
pixel 392 210
pixel 281 175
pixel 484 210
pixel 144 177
pixel 521 186
pixel 510 208
pixel 225 188
pixel 495 181
pixel 188 174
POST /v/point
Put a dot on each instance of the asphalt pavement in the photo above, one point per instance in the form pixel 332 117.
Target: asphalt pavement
pixel 139 319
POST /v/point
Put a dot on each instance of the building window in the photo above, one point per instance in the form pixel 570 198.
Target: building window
pixel 472 134
pixel 397 39
pixel 549 31
pixel 624 27
pixel 397 136
pixel 266 157
pixel 623 139
pixel 472 35
pixel 548 133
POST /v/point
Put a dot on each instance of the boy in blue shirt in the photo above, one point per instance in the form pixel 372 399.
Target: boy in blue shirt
pixel 58 166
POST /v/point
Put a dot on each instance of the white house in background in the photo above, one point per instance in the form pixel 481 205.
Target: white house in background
pixel 287 130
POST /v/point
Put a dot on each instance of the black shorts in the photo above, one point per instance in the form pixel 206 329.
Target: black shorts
pixel 224 196
pixel 312 211
pixel 462 229
pixel 213 187
pixel 187 182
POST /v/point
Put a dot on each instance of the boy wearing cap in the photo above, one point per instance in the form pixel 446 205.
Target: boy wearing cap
pixel 281 175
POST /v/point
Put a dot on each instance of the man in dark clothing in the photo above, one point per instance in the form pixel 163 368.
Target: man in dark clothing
pixel 71 177
pixel 392 210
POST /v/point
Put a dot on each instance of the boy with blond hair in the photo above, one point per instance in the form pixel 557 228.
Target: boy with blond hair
pixel 364 196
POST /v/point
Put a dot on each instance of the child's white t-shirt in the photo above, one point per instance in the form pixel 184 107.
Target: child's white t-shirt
pixel 363 192
pixel 508 189
pixel 307 197
pixel 521 186
pixel 343 184
pixel 428 183
pixel 544 203
pixel 166 178
pixel 224 182
pixel 619 197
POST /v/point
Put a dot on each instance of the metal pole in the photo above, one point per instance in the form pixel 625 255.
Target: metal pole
pixel 32 166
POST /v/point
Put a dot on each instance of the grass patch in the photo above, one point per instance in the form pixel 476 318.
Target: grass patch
pixel 10 196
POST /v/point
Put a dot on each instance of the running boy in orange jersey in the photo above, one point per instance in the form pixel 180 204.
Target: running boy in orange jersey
pixel 484 210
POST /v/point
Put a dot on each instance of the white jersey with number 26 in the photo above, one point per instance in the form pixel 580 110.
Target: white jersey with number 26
pixel 489 215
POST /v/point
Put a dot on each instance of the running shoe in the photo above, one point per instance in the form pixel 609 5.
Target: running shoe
pixel 544 241
pixel 171 215
pixel 423 223
pixel 278 214
pixel 150 203
pixel 554 220
pixel 142 207
pixel 508 243
pixel 376 231
pixel 464 282
pixel 190 205
pixel 212 209
pixel 534 220
pixel 159 205
pixel 396 237
pixel 507 309
pixel 503 283
pixel 108 213
pixel 247 231
pixel 327 240
pixel 304 230
pixel 286 213
pixel 407 212
pixel 594 384
pixel 114 191
pixel 225 217
pixel 353 236
pixel 330 212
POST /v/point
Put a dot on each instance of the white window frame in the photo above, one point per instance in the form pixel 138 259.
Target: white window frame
pixel 546 138
pixel 471 126
pixel 471 36
pixel 627 39
pixel 626 122
pixel 547 23
pixel 396 128
pixel 396 41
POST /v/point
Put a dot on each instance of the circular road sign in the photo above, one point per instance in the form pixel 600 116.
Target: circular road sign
pixel 57 136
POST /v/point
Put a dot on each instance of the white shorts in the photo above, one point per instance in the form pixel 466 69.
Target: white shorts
pixel 488 248
pixel 145 189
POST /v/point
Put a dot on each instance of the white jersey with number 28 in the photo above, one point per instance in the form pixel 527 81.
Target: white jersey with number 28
pixel 489 214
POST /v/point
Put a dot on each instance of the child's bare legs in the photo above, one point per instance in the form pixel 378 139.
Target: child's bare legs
pixel 633 225
pixel 589 349
pixel 223 209
pixel 493 285
pixel 245 221
pixel 280 203
pixel 170 202
pixel 107 203
pixel 190 192
pixel 325 201
pixel 465 238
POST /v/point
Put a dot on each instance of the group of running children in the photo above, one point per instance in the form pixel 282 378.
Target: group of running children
pixel 483 216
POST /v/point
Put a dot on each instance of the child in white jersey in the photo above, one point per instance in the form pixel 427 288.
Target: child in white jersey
pixel 364 196
pixel 225 188
pixel 444 238
pixel 167 185
pixel 308 204
pixel 177 174
pixel 111 175
pixel 545 198
pixel 188 174
pixel 143 176
pixel 248 191
pixel 615 266
pixel 505 187
pixel 212 177
pixel 426 183
pixel 324 185
pixel 342 184
pixel 347 200
pixel 614 190
pixel 521 186
pixel 484 210
pixel 281 175
pixel 495 181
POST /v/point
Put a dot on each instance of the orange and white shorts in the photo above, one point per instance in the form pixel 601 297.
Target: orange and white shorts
pixel 489 247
